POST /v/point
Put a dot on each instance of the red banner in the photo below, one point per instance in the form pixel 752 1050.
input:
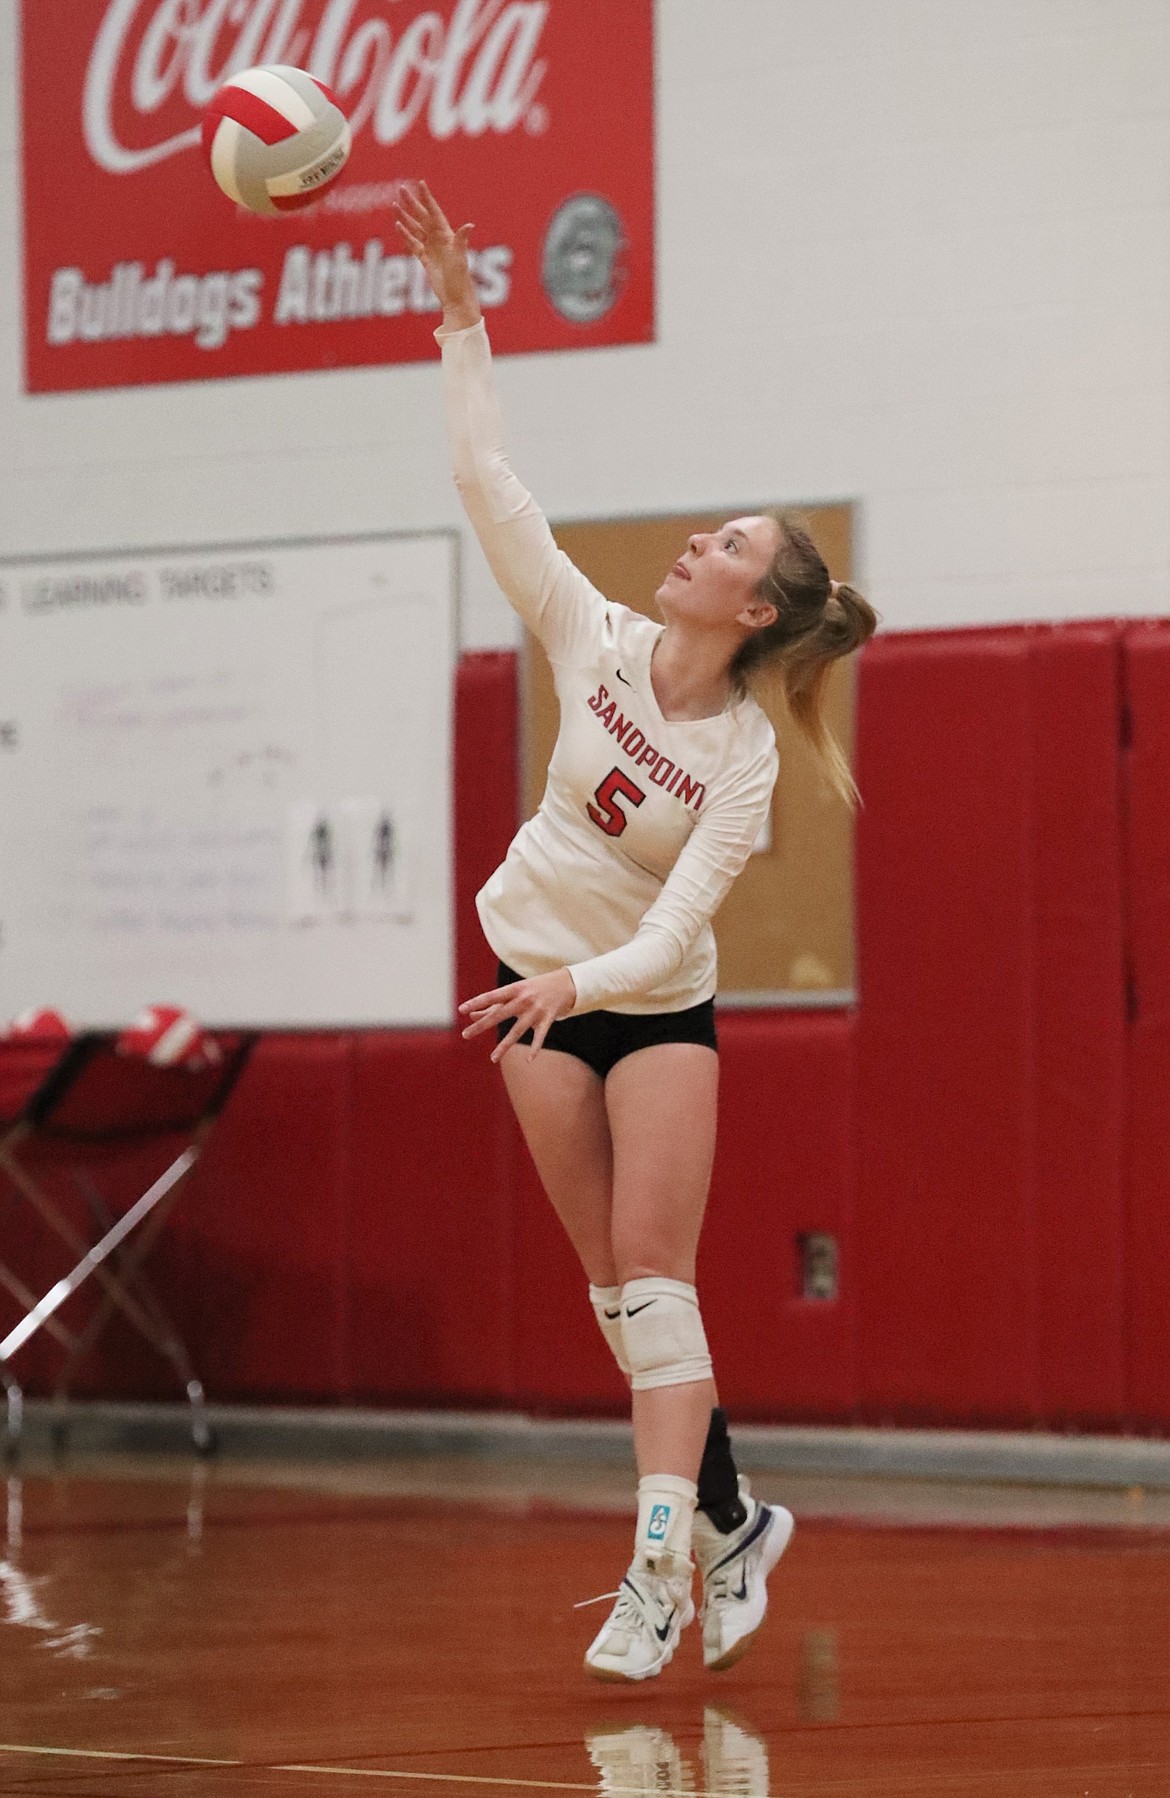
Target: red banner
pixel 534 118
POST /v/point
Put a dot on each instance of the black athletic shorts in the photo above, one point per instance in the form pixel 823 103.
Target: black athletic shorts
pixel 601 1038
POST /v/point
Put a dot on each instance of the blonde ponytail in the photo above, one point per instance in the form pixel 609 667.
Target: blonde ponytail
pixel 818 621
pixel 804 673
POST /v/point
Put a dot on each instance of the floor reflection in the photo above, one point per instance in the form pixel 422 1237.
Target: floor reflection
pixel 644 1757
pixel 820 1698
pixel 23 1596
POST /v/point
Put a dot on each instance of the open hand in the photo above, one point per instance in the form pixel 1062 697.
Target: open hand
pixel 534 1004
pixel 443 252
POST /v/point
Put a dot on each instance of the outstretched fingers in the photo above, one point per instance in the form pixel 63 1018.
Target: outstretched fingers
pixel 407 223
pixel 423 225
pixel 430 205
pixel 513 1036
pixel 522 1009
pixel 484 1020
pixel 412 221
pixel 488 1009
pixel 410 201
pixel 484 1001
pixel 413 243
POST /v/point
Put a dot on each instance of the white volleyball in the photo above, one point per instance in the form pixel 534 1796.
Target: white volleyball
pixel 275 137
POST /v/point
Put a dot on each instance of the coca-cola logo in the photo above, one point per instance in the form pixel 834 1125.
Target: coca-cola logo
pixel 463 68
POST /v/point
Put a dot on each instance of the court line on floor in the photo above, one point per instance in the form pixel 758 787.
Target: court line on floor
pixel 114 1754
pixel 474 1779
pixel 485 1779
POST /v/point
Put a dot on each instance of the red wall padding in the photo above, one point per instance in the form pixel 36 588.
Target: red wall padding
pixel 945 1241
pixel 991 1029
pixel 784 1168
pixel 268 1219
pixel 429 1278
pixel 1147 860
pixel 487 800
pixel 1079 1072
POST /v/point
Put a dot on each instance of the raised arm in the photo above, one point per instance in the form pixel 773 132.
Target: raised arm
pixel 553 597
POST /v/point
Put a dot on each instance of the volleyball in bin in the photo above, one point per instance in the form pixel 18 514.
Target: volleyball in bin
pixel 275 137
pixel 38 1024
pixel 169 1037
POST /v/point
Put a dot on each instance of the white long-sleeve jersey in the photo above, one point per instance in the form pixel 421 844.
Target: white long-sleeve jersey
pixel 645 821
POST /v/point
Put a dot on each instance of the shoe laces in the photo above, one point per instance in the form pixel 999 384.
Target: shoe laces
pixel 629 1613
pixel 583 1604
pixel 628 1616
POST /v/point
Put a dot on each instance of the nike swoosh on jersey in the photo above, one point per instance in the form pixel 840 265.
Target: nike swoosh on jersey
pixel 622 678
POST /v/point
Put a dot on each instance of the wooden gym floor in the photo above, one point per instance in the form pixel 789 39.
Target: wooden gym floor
pixel 313 1632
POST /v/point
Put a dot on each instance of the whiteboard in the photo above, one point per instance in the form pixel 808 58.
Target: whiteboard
pixel 225 782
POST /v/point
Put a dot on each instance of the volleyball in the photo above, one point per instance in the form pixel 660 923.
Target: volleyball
pixel 38 1025
pixel 275 137
pixel 169 1037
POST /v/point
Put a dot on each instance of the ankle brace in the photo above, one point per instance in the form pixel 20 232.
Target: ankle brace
pixel 666 1511
pixel 718 1479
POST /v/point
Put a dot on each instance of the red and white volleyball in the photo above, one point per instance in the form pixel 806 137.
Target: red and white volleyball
pixel 38 1025
pixel 276 138
pixel 168 1037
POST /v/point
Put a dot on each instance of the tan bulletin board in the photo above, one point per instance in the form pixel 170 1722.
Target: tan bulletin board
pixel 785 931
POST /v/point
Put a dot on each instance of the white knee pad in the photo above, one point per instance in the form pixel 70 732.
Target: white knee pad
pixel 607 1309
pixel 663 1334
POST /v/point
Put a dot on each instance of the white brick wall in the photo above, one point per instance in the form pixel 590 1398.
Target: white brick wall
pixel 911 252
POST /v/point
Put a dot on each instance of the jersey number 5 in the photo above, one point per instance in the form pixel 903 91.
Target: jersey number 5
pixel 607 814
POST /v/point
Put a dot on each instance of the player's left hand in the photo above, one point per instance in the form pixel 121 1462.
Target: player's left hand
pixel 534 1004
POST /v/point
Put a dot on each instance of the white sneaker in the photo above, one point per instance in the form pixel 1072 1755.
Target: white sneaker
pixel 652 1610
pixel 638 1758
pixel 735 1570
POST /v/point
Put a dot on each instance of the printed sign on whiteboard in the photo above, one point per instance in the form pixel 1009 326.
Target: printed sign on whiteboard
pixel 378 845
pixel 347 860
pixel 314 881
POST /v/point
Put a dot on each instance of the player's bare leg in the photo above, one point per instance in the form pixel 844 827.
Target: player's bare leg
pixel 560 1105
pixel 661 1103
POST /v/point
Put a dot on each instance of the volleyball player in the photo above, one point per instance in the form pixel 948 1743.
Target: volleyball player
pixel 600 914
